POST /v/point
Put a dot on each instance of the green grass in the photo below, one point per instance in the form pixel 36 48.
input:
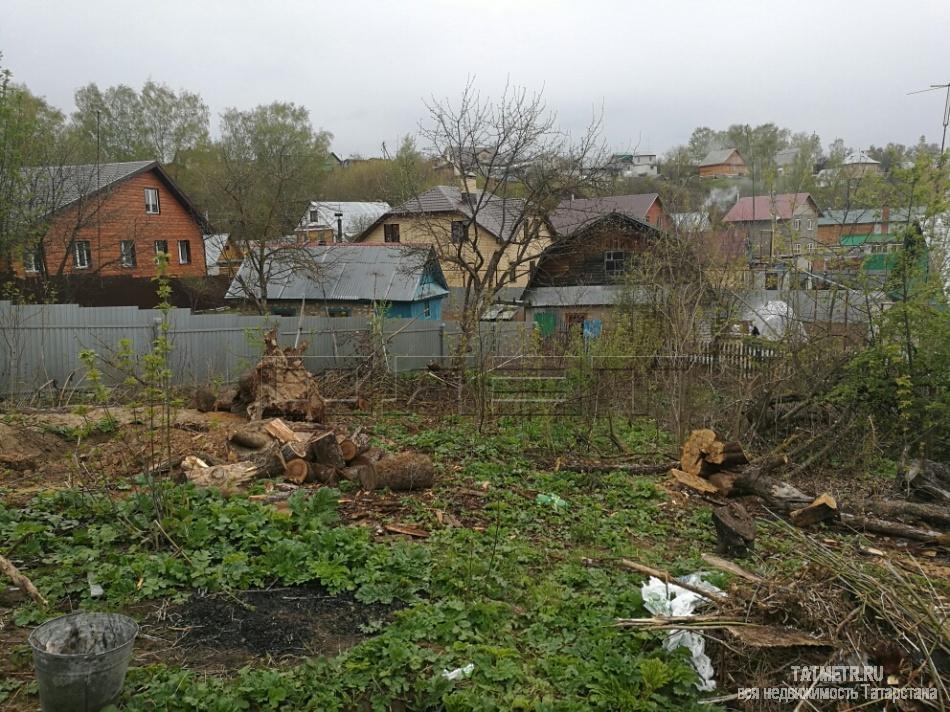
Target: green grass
pixel 519 599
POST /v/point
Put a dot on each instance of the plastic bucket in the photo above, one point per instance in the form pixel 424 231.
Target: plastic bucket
pixel 81 659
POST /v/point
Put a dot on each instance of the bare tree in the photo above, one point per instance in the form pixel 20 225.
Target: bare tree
pixel 518 166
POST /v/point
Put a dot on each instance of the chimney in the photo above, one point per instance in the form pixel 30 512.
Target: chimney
pixel 339 226
pixel 885 219
pixel 468 185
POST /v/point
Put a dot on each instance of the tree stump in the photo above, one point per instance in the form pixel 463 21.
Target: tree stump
pixel 735 529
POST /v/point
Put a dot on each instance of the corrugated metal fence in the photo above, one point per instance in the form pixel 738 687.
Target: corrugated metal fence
pixel 40 344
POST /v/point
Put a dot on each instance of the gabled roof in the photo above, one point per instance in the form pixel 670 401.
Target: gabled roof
pixel 571 216
pixel 499 216
pixel 786 157
pixel 356 216
pixel 766 207
pixel 59 187
pixel 859 158
pixel 214 246
pixel 718 156
pixel 347 272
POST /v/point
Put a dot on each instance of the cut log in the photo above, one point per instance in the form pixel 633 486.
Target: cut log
pixel 779 495
pixel 297 471
pixel 694 449
pixel 280 430
pixel 735 529
pixel 725 453
pixel 20 581
pixel 406 471
pixel 225 478
pixel 348 448
pixel 268 459
pixel 821 510
pixel 294 451
pixel 250 439
pixel 903 531
pixel 693 481
pixel 324 448
pixel 361 469
pixel 723 481
pixel 913 511
pixel 324 474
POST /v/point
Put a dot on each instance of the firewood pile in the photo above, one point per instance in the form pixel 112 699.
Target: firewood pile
pixel 714 466
pixel 304 452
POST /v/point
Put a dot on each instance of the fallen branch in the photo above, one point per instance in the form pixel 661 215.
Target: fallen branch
pixel 667 578
pixel 629 468
pixel 20 581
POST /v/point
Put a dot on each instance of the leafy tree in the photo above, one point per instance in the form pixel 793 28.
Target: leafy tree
pixel 256 182
pixel 156 123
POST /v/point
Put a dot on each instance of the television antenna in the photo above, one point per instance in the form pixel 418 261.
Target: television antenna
pixel 946 109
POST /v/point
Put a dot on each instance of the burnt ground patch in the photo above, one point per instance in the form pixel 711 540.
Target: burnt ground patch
pixel 280 622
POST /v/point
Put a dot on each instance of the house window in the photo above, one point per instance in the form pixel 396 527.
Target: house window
pixel 575 320
pixel 161 247
pixel 338 312
pixel 459 231
pixel 810 247
pixel 810 224
pixel 33 259
pixel 797 247
pixel 151 201
pixel 771 280
pixel 127 253
pixel 184 252
pixel 426 310
pixel 796 224
pixel 614 262
pixel 391 233
pixel 82 254
pixel 314 216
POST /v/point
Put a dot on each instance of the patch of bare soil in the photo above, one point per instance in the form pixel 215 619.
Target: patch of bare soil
pixel 277 623
pixel 24 448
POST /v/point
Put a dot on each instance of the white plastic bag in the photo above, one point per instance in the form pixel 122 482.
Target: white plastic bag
pixel 663 599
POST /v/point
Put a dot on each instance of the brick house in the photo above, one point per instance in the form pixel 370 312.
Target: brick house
pixel 776 225
pixel 111 220
pixel 723 163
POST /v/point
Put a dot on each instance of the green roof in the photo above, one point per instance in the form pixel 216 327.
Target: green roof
pixel 874 238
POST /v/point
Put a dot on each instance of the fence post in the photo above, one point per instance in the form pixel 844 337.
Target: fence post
pixel 441 343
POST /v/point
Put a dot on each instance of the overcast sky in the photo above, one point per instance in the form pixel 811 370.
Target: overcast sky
pixel 841 68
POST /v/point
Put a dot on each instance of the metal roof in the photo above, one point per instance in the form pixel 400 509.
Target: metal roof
pixel 718 156
pixel 356 216
pixel 573 215
pixel 866 216
pixel 214 246
pixel 499 216
pixel 58 186
pixel 765 207
pixel 580 296
pixel 345 272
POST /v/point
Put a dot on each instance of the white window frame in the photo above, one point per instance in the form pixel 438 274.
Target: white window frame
pixel 182 259
pixel 152 207
pixel 30 263
pixel 611 256
pixel 82 258
pixel 810 224
pixel 162 252
pixel 797 248
pixel 127 253
pixel 797 224
pixel 426 309
pixel 810 246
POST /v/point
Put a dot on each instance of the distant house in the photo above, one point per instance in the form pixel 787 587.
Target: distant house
pixel 578 278
pixel 776 225
pixel 342 280
pixel 722 163
pixel 112 219
pixel 835 224
pixel 785 160
pixel 858 164
pixel 450 219
pixel 632 165
pixel 573 215
pixel 327 221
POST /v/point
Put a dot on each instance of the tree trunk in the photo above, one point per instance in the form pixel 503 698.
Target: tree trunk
pixel 407 471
